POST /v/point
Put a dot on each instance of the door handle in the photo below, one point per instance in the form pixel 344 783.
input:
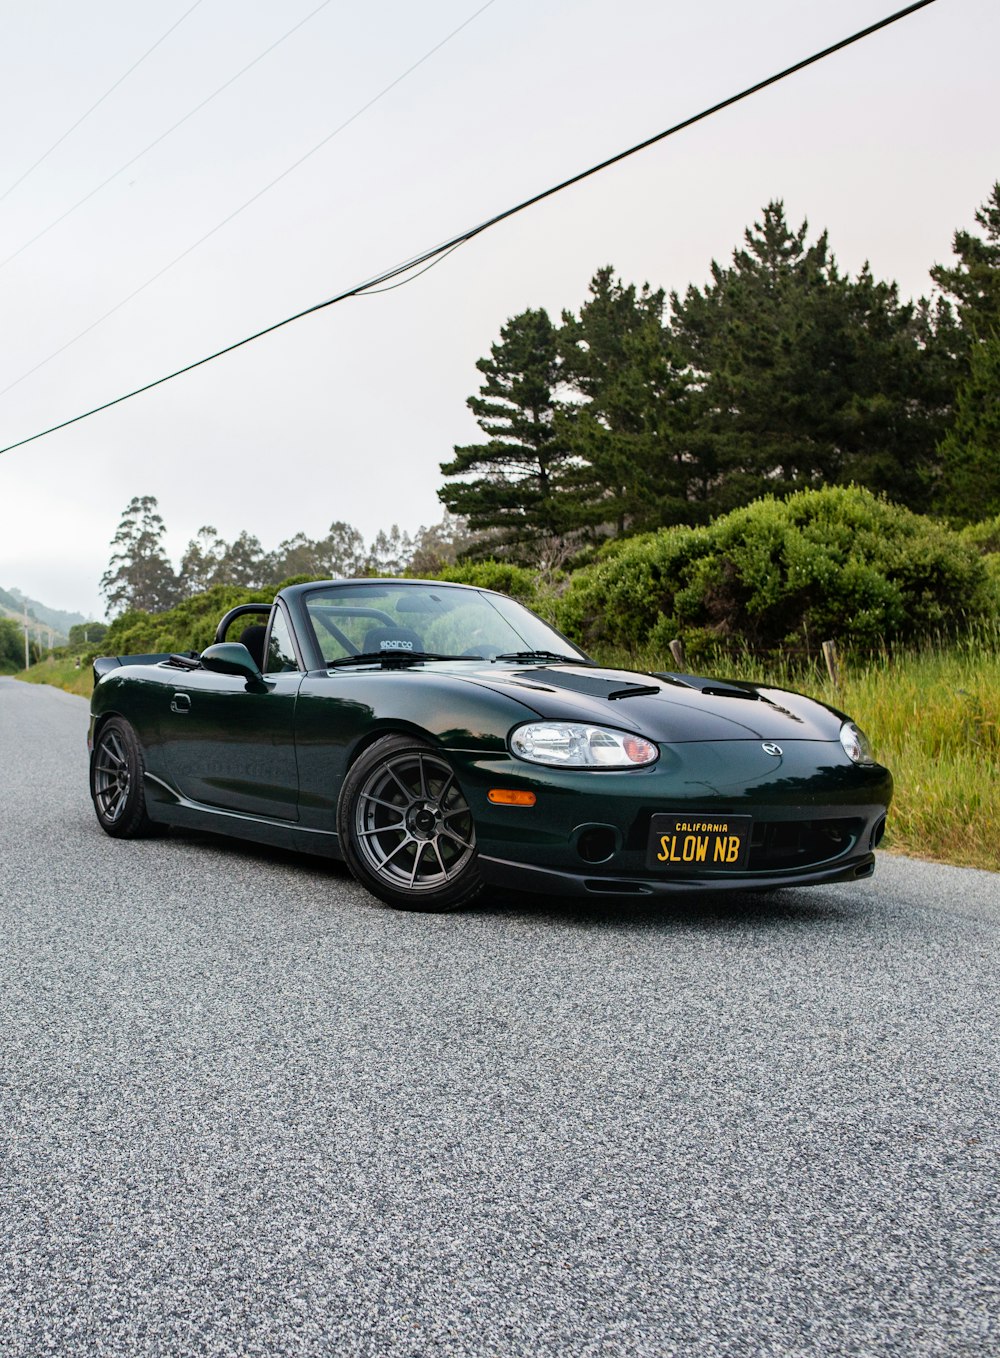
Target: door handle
pixel 181 702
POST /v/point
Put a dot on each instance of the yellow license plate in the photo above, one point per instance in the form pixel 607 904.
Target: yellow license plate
pixel 698 842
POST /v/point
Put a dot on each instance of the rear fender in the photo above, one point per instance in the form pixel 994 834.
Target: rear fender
pixel 104 664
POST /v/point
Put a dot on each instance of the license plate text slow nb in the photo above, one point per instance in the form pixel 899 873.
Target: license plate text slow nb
pixel 699 843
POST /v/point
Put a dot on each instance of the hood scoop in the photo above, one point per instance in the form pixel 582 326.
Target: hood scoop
pixel 714 688
pixel 635 691
pixel 593 685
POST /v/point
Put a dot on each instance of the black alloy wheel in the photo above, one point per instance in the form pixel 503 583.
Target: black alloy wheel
pixel 116 781
pixel 406 829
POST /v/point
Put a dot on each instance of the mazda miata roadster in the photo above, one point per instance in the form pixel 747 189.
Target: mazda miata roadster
pixel 441 738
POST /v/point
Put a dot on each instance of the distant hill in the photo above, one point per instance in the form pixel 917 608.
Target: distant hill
pixel 13 604
pixel 8 601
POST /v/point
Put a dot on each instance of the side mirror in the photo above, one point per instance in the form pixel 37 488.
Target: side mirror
pixel 232 657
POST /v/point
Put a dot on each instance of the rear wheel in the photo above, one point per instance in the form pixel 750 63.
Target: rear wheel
pixel 116 781
pixel 406 829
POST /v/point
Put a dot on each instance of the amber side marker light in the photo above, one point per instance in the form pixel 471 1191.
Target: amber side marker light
pixel 508 796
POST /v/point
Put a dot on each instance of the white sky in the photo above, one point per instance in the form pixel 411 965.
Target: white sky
pixel 347 414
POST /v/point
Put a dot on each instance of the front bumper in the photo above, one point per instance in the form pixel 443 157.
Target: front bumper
pixel 816 819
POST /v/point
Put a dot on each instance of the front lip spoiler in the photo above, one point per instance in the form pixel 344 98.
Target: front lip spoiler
pixel 503 872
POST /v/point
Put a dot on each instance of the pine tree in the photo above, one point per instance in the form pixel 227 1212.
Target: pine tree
pixel 805 377
pixel 968 339
pixel 974 281
pixel 634 466
pixel 970 452
pixel 522 488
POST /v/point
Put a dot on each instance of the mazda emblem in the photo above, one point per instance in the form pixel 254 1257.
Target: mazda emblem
pixel 769 747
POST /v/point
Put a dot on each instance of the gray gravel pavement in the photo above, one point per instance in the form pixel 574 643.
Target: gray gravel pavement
pixel 246 1110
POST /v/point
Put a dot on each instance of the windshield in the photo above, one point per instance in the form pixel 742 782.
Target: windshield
pixel 440 619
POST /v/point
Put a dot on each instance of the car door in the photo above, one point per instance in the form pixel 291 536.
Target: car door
pixel 230 744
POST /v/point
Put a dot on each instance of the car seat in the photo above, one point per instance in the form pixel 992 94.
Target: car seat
pixel 252 638
pixel 391 639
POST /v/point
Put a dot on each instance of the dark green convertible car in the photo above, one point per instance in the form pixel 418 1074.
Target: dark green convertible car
pixel 441 738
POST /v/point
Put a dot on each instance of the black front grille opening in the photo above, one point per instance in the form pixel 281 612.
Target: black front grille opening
pixel 798 844
pixel 878 833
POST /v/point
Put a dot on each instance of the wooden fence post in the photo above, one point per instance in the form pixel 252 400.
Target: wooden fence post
pixel 677 651
pixel 830 656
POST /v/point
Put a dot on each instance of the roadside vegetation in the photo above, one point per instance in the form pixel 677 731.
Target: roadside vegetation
pixel 62 673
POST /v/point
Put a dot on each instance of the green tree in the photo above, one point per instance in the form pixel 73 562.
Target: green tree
pixel 298 555
pixel 11 646
pixel 139 575
pixel 244 563
pixel 635 466
pixel 630 434
pixel 973 281
pixel 390 552
pixel 440 545
pixel 969 488
pixel 804 376
pixel 201 561
pixel 521 489
pixel 594 345
pixel 341 554
pixel 85 634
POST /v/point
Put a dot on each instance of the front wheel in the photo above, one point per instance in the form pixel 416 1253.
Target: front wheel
pixel 406 829
pixel 116 781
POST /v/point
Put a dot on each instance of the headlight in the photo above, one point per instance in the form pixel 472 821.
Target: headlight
pixel 855 743
pixel 575 745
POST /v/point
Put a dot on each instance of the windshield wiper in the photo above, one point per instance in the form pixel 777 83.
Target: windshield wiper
pixel 393 659
pixel 544 655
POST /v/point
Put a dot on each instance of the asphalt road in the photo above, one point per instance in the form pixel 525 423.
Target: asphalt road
pixel 246 1110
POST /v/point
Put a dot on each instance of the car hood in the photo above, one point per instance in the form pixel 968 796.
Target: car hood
pixel 665 707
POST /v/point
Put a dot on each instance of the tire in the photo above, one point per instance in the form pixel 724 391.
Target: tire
pixel 406 830
pixel 117 769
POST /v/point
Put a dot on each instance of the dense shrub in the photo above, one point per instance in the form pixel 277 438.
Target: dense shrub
pixel 498 575
pixel 838 562
pixel 984 536
pixel 188 627
pixel 11 646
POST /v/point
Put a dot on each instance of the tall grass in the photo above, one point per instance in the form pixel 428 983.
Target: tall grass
pixel 61 674
pixel 933 716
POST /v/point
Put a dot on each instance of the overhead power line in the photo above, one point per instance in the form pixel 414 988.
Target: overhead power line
pixel 162 137
pixel 433 256
pixel 243 206
pixel 84 116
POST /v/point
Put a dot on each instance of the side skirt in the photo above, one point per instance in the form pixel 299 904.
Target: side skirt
pixel 168 807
